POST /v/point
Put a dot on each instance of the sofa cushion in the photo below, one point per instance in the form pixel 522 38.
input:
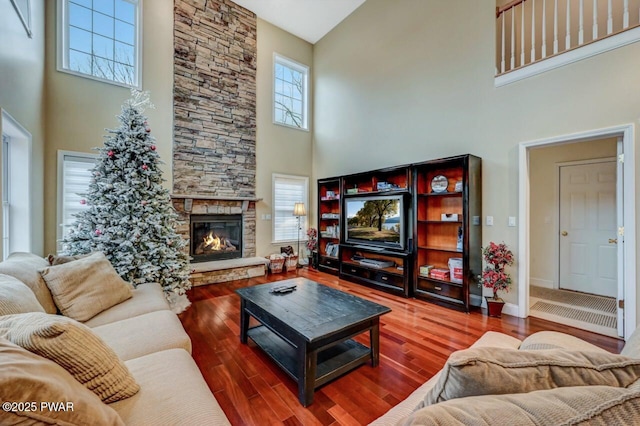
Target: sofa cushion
pixel 172 392
pixel 58 259
pixel 487 371
pixel 26 267
pixel 595 405
pixel 85 287
pixel 16 297
pixel 74 347
pixel 28 377
pixel 632 347
pixel 130 338
pixel 555 340
pixel 145 298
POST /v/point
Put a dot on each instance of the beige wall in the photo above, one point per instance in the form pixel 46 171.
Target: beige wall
pixel 411 80
pixel 79 109
pixel 544 186
pixel 279 149
pixel 22 95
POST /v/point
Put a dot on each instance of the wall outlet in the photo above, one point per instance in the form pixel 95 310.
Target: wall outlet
pixel 489 220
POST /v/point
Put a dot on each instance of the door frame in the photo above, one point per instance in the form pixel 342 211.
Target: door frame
pixel 627 134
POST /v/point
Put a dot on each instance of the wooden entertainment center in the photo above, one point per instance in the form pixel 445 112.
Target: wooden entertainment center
pixel 412 230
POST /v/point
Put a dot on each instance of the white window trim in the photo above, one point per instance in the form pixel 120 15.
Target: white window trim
pixel 304 69
pixel 303 235
pixel 62 40
pixel 59 196
pixel 20 154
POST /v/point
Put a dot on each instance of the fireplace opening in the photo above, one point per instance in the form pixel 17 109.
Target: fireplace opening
pixel 216 237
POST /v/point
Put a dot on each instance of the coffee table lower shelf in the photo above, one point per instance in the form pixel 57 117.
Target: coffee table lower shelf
pixel 332 361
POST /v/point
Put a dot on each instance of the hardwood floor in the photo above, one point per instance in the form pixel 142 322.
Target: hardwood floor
pixel 415 340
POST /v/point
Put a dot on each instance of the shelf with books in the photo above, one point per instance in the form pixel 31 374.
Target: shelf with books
pixel 447 238
pixel 329 218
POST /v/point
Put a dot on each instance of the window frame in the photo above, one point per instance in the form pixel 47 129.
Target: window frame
pixel 304 69
pixel 304 181
pixel 62 46
pixel 62 156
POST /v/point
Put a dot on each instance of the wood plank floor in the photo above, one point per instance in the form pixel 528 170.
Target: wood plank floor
pixel 415 340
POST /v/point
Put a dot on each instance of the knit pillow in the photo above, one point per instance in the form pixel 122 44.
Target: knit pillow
pixel 55 259
pixel 74 347
pixel 85 287
pixel 25 267
pixel 593 405
pixel 16 297
pixel 28 381
pixel 488 371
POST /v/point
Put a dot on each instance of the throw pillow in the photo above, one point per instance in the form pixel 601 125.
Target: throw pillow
pixel 593 405
pixel 85 287
pixel 25 267
pixel 488 371
pixel 55 259
pixel 76 348
pixel 28 380
pixel 16 297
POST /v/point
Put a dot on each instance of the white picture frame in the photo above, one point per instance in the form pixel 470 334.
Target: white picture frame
pixel 23 9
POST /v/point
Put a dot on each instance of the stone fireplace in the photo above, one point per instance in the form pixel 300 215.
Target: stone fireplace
pixel 215 237
pixel 214 140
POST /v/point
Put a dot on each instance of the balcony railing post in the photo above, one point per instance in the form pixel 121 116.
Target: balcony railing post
pixel 533 31
pixel 625 15
pixel 513 39
pixel 609 17
pixel 581 25
pixel 567 40
pixel 555 27
pixel 544 29
pixel 595 20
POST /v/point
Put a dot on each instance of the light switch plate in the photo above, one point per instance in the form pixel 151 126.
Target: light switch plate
pixel 489 220
pixel 512 221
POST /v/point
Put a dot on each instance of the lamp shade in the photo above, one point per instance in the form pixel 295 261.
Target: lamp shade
pixel 299 209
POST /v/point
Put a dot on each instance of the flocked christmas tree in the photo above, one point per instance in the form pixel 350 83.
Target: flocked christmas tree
pixel 129 216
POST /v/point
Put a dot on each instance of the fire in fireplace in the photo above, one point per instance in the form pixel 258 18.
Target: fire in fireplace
pixel 216 237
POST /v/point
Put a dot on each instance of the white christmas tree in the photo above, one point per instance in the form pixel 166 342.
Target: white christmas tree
pixel 129 216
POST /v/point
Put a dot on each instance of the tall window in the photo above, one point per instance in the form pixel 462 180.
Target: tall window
pixel 100 39
pixel 16 186
pixel 288 190
pixel 74 177
pixel 290 93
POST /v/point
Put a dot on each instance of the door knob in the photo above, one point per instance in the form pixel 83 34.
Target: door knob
pixel 613 241
pixel 564 233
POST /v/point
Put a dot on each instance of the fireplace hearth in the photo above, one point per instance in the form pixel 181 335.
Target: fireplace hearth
pixel 215 237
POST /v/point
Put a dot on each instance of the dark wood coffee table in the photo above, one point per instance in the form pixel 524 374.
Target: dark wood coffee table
pixel 308 332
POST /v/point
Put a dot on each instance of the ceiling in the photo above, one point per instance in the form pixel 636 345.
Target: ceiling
pixel 308 19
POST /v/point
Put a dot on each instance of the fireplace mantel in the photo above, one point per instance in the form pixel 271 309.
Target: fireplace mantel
pixel 213 197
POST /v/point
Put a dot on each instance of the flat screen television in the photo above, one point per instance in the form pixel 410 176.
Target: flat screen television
pixel 375 221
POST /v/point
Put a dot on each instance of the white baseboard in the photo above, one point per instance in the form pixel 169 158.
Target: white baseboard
pixel 539 282
pixel 511 309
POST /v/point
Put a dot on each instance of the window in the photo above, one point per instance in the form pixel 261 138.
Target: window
pixel 16 186
pixel 288 190
pixel 74 177
pixel 290 93
pixel 100 39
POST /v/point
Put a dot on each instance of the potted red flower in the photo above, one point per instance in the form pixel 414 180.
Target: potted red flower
pixel 496 257
pixel 312 244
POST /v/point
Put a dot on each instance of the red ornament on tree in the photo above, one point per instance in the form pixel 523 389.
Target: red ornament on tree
pixel 98 232
pixel 148 129
pixel 110 153
pixel 143 202
pixel 153 147
pixel 83 202
pixel 144 167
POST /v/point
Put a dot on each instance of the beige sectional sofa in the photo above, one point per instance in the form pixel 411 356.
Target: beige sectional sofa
pixel 600 388
pixel 146 336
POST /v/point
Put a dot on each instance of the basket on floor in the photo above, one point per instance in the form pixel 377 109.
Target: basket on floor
pixel 291 262
pixel 276 264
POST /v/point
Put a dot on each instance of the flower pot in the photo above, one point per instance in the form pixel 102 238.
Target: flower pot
pixel 313 260
pixel 494 307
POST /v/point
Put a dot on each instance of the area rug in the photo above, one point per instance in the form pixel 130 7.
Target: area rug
pixel 603 320
pixel 597 303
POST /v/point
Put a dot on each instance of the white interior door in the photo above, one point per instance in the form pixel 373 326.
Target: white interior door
pixel 620 227
pixel 588 231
